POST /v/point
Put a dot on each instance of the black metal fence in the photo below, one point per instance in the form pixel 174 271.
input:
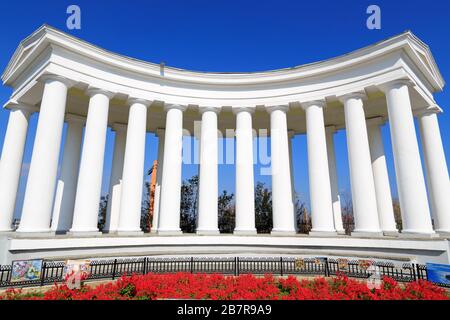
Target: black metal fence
pixel 53 271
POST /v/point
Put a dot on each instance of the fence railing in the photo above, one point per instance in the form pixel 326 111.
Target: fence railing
pixel 53 271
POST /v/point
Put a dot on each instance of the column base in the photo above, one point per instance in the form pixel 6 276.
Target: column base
pixel 136 233
pixel 154 231
pixel 341 232
pixel 252 232
pixel 283 233
pixel 170 232
pixel 443 234
pixel 45 234
pixel 393 233
pixel 109 231
pixel 323 233
pixel 6 233
pixel 367 234
pixel 207 232
pixel 84 234
pixel 417 235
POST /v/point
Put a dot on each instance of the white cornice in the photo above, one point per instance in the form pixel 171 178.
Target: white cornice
pixel 30 47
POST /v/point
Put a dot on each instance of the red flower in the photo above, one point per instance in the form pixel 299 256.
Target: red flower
pixel 248 286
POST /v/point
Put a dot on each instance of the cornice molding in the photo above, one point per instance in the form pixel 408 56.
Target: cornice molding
pixel 408 42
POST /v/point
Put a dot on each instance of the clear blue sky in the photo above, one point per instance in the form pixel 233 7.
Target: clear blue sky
pixel 216 35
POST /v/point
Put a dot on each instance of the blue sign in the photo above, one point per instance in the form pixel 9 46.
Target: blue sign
pixel 439 273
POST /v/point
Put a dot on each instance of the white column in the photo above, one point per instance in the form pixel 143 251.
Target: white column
pixel 291 134
pixel 437 171
pixel 169 217
pixel 208 184
pixel 133 169
pixel 381 178
pixel 115 182
pixel 361 177
pixel 159 170
pixel 335 198
pixel 67 182
pixel 245 185
pixel 40 189
pixel 87 200
pixel 282 208
pixel 11 162
pixel 412 193
pixel 319 176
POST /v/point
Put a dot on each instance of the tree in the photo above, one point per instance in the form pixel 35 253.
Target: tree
pixel 301 214
pixel 397 213
pixel 348 220
pixel 102 212
pixel 188 204
pixel 226 211
pixel 145 209
pixel 263 208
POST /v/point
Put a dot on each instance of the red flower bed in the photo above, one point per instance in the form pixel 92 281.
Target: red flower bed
pixel 215 286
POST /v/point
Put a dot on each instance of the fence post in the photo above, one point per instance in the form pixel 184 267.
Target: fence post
pixel 419 274
pixel 413 270
pixel 114 269
pixel 236 266
pixel 144 269
pixel 44 267
pixel 191 265
pixel 327 271
pixel 281 266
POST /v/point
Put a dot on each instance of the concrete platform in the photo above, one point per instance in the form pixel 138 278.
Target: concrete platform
pixel 60 247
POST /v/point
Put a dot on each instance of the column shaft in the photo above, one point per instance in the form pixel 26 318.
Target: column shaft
pixel 408 168
pixel 245 185
pixel 169 218
pixel 208 183
pixel 291 135
pixel 319 176
pixel 335 198
pixel 40 189
pixel 67 182
pixel 381 178
pixel 159 170
pixel 133 169
pixel 87 201
pixel 115 183
pixel 11 164
pixel 282 208
pixel 437 171
pixel 361 177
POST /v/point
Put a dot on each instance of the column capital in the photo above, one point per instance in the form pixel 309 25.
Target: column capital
pixel 330 129
pixel 91 91
pixel 74 118
pixel 377 121
pixel 49 77
pixel 284 108
pixel 116 126
pixel 353 95
pixel 319 103
pixel 291 133
pixel 160 132
pixel 203 109
pixel 180 107
pixel 236 110
pixel 395 84
pixel 21 106
pixel 430 110
pixel 134 100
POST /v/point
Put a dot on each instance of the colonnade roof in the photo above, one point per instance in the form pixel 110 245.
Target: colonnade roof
pixel 49 50
pixel 47 34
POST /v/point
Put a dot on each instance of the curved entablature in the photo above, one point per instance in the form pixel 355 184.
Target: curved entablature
pixel 49 50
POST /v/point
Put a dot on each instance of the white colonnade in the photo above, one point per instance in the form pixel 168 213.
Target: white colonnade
pixel 354 94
